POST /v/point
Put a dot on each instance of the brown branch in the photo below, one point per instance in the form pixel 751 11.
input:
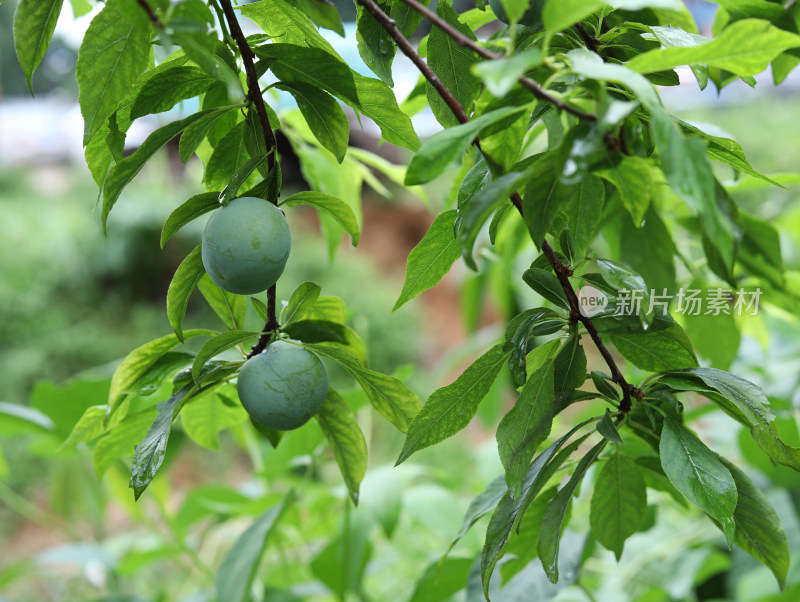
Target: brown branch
pixel 562 272
pixel 151 14
pixel 254 94
pixel 405 46
pixel 590 41
pixel 466 42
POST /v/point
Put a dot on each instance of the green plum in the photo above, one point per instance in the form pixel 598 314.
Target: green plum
pixel 283 386
pixel 245 245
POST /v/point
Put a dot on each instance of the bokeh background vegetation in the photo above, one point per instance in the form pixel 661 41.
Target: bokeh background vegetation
pixel 73 302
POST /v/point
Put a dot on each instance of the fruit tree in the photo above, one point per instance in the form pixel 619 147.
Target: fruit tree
pixel 559 173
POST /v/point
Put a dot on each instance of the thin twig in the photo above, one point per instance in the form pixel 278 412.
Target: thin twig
pixel 405 46
pixel 562 272
pixel 590 41
pixel 466 42
pixel 225 33
pixel 254 94
pixel 151 14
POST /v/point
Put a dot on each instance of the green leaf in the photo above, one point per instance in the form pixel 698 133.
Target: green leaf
pixel 328 309
pixel 229 154
pixel 336 208
pixel 633 180
pixel 745 47
pixel 165 90
pixel 217 345
pixel 758 529
pixel 698 474
pixel 520 549
pixel 89 427
pixel 139 361
pixel 526 426
pixel 375 45
pixel 322 70
pixel 211 373
pixel 207 416
pixel 260 307
pixel 619 503
pixel 570 364
pixel 603 385
pixel 149 454
pixel 447 146
pixel 113 54
pixel 323 14
pixel 323 331
pixel 18 419
pixel 620 277
pixel 442 580
pixel 242 174
pixel 115 139
pixel 727 151
pixel 339 424
pixel 689 174
pixel 194 134
pixel 581 210
pixel 324 116
pixel 745 402
pixel 240 566
pixel 500 75
pixel 650 250
pixel 519 332
pixel 452 64
pixel 190 210
pixel 590 65
pixel 121 440
pixel 126 170
pixel 168 364
pixel 715 338
pixel 508 510
pixel 553 520
pixel 608 429
pixel 565 13
pixel 405 17
pixel 303 298
pixel 431 259
pixel 481 505
pixel 748 400
pixel 761 249
pixel 392 398
pixel 547 285
pixel 283 22
pixel 474 211
pixel 543 197
pixel 34 23
pixel 229 307
pixel 656 350
pixel 451 408
pixel 180 289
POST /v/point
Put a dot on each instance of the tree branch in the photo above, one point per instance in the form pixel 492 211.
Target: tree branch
pixel 151 14
pixel 562 272
pixel 466 42
pixel 254 94
pixel 589 40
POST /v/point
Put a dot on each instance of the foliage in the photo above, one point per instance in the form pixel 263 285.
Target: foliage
pixel 564 149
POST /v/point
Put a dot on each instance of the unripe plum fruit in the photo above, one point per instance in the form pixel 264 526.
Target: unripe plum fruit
pixel 283 386
pixel 245 245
